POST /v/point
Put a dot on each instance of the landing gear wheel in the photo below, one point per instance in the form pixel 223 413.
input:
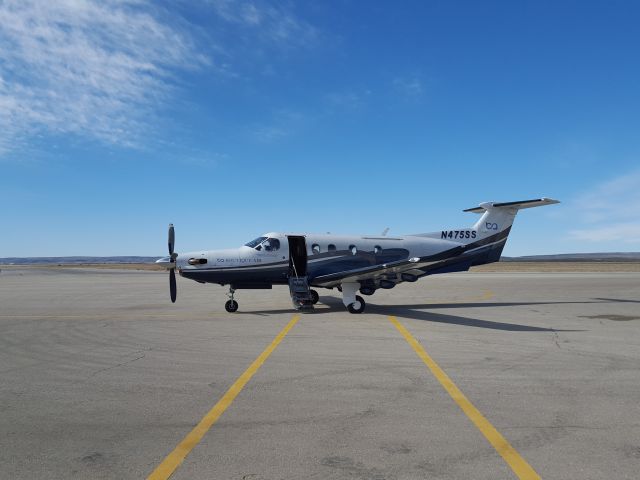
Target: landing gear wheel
pixel 314 296
pixel 231 306
pixel 357 306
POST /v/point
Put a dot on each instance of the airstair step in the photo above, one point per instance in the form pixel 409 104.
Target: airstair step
pixel 300 293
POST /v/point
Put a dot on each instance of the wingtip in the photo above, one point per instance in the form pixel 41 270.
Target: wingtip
pixel 474 210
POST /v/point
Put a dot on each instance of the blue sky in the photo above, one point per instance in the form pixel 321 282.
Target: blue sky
pixel 232 118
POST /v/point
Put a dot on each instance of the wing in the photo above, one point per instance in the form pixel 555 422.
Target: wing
pixel 412 267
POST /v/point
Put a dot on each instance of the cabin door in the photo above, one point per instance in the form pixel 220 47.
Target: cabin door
pixel 297 256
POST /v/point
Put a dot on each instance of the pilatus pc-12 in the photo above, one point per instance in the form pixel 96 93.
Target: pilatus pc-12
pixel 350 264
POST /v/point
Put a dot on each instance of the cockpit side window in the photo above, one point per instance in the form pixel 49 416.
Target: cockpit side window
pixel 256 242
pixel 271 244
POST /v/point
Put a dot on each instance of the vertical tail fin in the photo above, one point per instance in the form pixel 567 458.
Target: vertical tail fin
pixel 495 223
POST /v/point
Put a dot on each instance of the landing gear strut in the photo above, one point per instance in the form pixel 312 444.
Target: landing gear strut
pixel 353 302
pixel 231 305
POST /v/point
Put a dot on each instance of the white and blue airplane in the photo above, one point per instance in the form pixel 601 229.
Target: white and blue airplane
pixel 352 264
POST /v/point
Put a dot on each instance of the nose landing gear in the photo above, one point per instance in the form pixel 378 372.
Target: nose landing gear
pixel 231 305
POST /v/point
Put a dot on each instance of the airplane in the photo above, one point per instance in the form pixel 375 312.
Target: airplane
pixel 351 264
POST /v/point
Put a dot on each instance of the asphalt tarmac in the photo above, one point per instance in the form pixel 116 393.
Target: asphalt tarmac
pixel 102 377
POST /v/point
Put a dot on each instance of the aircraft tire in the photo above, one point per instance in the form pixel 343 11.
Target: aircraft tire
pixel 353 309
pixel 314 296
pixel 231 306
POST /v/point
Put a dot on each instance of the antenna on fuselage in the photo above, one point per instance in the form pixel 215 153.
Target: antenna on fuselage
pixel 385 231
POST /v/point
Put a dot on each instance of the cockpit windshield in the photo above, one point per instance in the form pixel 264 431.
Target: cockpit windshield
pixel 269 244
pixel 256 242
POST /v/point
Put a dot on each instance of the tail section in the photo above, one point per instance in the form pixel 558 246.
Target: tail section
pixel 497 217
pixel 494 226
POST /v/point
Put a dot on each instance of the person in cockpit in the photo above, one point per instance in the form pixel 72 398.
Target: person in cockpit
pixel 271 244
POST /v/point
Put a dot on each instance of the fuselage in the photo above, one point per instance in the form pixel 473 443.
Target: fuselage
pixel 265 261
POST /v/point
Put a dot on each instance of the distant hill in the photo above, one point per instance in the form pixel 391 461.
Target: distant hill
pixel 578 257
pixel 74 260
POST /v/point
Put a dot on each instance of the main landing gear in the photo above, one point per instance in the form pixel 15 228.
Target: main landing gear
pixel 357 306
pixel 231 305
pixel 314 296
pixel 354 303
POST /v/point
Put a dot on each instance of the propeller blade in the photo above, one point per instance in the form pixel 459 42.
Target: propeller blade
pixel 172 238
pixel 172 285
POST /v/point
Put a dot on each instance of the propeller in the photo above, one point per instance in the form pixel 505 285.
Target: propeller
pixel 172 271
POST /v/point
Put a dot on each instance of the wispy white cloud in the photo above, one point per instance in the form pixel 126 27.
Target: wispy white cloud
pixel 610 211
pixel 275 23
pixel 282 124
pixel 104 69
pixel 269 133
pixel 573 153
pixel 98 69
pixel 411 86
pixel 618 232
pixel 347 101
pixel 204 160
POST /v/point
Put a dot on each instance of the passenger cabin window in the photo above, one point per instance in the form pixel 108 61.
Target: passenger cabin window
pixel 315 248
pixel 353 249
pixel 331 247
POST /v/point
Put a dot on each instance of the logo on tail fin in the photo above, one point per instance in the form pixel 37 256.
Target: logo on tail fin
pixel 491 226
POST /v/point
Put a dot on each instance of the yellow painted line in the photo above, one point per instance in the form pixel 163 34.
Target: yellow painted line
pixel 175 458
pixel 487 295
pixel 520 467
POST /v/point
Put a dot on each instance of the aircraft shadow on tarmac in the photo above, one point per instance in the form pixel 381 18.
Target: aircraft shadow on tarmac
pixel 415 312
pixel 407 311
pixel 616 300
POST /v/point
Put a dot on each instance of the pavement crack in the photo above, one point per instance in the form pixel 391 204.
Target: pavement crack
pixel 557 427
pixel 141 355
pixel 556 337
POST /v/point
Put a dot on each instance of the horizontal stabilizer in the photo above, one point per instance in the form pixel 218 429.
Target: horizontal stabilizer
pixel 537 202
